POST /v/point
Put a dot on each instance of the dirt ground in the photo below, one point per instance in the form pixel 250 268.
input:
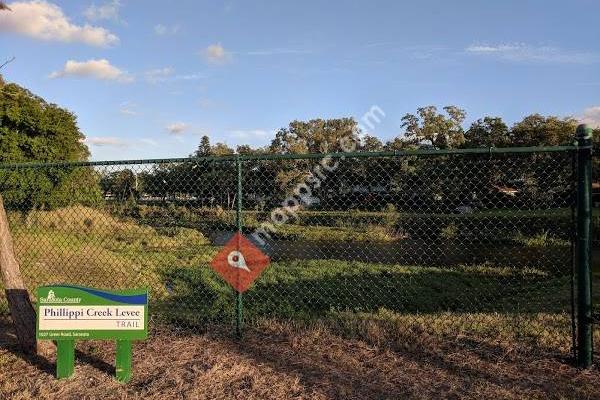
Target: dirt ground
pixel 284 363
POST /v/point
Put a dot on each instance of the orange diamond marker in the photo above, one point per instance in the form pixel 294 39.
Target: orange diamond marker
pixel 240 262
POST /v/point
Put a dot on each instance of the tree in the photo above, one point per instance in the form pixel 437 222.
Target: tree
pixel 245 149
pixel 221 149
pixel 21 309
pixel 122 185
pixel 371 143
pixel 399 144
pixel 434 129
pixel 314 136
pixel 33 130
pixel 203 148
pixel 300 137
pixel 537 130
pixel 487 132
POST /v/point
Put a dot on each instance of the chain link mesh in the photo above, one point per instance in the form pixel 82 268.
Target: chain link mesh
pixel 413 245
pixel 596 248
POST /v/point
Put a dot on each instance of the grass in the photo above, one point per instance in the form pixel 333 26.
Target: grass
pixel 543 239
pixel 84 246
pixel 280 360
pixel 368 233
pixel 315 329
pixel 357 225
pixel 229 215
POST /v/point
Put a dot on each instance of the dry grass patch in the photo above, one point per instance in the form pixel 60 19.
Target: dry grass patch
pixel 281 361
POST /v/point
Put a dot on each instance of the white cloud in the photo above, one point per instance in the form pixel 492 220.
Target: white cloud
pixel 108 141
pixel 493 49
pixel 160 29
pixel 97 69
pixel 591 116
pixel 112 141
pixel 177 128
pixel 163 30
pixel 158 74
pixel 42 20
pixel 108 10
pixel 216 54
pixel 167 74
pixel 522 52
pixel 188 77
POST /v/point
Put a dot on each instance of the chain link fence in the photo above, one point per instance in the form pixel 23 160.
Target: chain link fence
pixel 596 247
pixel 412 245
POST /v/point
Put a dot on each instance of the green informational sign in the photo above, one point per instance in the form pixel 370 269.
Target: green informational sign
pixel 73 312
pixel 67 313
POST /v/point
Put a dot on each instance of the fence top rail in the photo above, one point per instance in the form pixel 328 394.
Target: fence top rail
pixel 247 157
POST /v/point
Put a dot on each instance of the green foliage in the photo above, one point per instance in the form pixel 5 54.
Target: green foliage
pixel 449 232
pixel 391 217
pixel 434 129
pixel 314 136
pixel 206 149
pixel 121 185
pixel 371 143
pixel 542 239
pixel 339 286
pixel 34 130
pixel 537 130
pixel 79 186
pixel 428 128
pixel 487 132
pixel 31 129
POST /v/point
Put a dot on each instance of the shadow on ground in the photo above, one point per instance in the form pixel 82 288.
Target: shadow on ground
pixel 313 289
pixel 46 363
pixel 282 361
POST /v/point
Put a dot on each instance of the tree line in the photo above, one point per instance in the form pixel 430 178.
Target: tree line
pixel 439 183
pixel 428 128
pixel 34 130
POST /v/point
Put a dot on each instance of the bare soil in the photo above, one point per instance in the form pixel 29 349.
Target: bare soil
pixel 280 362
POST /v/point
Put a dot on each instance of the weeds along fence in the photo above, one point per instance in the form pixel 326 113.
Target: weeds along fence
pixel 410 245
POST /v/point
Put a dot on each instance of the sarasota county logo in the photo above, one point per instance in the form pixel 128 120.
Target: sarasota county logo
pixel 52 298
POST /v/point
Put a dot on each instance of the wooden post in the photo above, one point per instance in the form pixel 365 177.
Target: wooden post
pixel 19 303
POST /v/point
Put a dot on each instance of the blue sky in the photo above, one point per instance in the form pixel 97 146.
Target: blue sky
pixel 148 78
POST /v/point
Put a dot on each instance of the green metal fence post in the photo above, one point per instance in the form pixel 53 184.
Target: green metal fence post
pixel 238 218
pixel 583 252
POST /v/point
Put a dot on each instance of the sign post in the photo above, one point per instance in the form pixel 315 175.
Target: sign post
pixel 65 358
pixel 66 313
pixel 123 361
